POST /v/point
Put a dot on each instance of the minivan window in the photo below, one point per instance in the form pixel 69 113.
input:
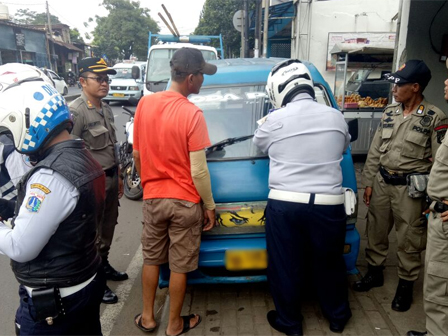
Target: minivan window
pixel 233 111
pixel 122 73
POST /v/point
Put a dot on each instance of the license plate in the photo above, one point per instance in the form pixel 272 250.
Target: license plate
pixel 118 94
pixel 238 260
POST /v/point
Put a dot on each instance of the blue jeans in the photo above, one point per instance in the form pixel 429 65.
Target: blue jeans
pixel 82 312
pixel 306 242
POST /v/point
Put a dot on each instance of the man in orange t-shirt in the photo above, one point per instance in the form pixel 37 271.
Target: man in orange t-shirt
pixel 170 135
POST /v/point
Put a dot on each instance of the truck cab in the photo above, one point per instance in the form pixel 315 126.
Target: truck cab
pixel 232 101
pixel 123 85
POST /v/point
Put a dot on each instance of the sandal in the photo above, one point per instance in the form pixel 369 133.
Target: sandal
pixel 140 325
pixel 187 327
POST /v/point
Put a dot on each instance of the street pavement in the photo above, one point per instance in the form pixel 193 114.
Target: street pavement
pixel 241 309
pixel 227 309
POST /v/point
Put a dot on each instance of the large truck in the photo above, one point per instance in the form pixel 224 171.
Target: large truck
pixel 159 55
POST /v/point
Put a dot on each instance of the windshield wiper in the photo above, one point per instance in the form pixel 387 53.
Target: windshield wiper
pixel 226 142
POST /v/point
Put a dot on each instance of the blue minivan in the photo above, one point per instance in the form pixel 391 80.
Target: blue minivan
pixel 232 101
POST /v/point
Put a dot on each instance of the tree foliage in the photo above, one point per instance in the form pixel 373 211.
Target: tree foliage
pixel 217 18
pixel 124 32
pixel 28 17
pixel 75 36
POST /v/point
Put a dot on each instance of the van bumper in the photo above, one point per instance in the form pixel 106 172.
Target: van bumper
pixel 212 270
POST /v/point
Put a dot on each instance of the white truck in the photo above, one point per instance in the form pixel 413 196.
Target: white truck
pixel 123 86
pixel 159 57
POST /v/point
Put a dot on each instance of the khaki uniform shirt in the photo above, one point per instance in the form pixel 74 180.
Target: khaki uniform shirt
pixel 405 144
pixel 96 128
pixel 438 179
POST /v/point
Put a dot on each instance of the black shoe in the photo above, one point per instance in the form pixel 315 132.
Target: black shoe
pixel 113 274
pixel 272 319
pixel 416 333
pixel 109 297
pixel 338 326
pixel 373 278
pixel 403 296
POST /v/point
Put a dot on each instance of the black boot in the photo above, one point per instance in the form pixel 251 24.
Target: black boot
pixel 109 297
pixel 373 278
pixel 112 274
pixel 416 333
pixel 403 296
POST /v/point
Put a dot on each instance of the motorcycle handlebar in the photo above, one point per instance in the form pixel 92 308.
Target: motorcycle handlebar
pixel 128 111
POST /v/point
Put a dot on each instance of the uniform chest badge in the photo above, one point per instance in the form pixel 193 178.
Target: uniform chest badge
pixel 34 202
pixel 426 121
pixel 420 109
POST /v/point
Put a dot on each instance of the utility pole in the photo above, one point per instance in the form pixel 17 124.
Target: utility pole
pixel 258 9
pixel 266 28
pixel 243 31
pixel 246 29
pixel 51 38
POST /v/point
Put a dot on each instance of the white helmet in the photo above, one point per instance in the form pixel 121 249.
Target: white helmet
pixel 31 109
pixel 287 79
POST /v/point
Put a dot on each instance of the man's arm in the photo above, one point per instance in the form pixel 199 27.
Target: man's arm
pixel 49 200
pixel 136 155
pixel 201 180
pixel 439 131
pixel 78 122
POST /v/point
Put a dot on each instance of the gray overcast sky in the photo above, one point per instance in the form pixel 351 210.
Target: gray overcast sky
pixel 185 13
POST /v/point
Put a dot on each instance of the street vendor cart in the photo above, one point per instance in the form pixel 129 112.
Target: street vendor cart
pixel 360 90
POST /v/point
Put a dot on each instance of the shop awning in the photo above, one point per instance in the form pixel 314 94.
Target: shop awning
pixel 67 46
pixel 361 48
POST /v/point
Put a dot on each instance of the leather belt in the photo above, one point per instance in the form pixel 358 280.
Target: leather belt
pixel 438 206
pixel 320 199
pixel 111 172
pixel 66 291
pixel 393 178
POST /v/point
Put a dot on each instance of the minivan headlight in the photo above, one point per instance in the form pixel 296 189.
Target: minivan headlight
pixel 133 88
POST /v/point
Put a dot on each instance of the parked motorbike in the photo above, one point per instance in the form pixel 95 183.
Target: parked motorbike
pixel 131 180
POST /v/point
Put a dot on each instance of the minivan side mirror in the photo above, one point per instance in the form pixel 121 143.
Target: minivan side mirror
pixel 353 129
pixel 135 72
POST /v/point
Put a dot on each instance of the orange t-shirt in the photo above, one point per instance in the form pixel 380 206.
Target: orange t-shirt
pixel 167 127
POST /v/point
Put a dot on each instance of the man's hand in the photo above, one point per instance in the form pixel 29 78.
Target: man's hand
pixel 120 187
pixel 367 195
pixel 209 220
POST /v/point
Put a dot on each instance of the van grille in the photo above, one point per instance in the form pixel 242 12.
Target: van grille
pixel 119 88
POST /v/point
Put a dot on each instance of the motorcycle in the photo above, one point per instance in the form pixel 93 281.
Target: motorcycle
pixel 71 81
pixel 131 180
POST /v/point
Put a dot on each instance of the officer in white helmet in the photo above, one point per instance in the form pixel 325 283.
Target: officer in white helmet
pixel 305 216
pixel 59 204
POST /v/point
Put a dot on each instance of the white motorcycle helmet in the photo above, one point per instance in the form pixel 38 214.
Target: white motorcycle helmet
pixel 287 79
pixel 31 109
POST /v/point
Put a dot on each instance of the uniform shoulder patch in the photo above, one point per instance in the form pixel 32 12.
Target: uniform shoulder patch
pixel 40 187
pixel 34 202
pixel 440 132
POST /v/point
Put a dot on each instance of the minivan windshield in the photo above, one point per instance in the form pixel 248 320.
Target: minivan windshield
pixel 122 73
pixel 232 112
pixel 159 63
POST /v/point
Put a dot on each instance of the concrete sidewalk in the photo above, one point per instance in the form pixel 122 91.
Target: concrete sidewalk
pixel 241 309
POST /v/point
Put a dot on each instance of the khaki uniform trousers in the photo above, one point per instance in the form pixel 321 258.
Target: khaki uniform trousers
pixel 391 205
pixel 435 288
pixel 110 217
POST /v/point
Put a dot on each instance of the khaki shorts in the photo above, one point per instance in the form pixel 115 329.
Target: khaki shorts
pixel 172 233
